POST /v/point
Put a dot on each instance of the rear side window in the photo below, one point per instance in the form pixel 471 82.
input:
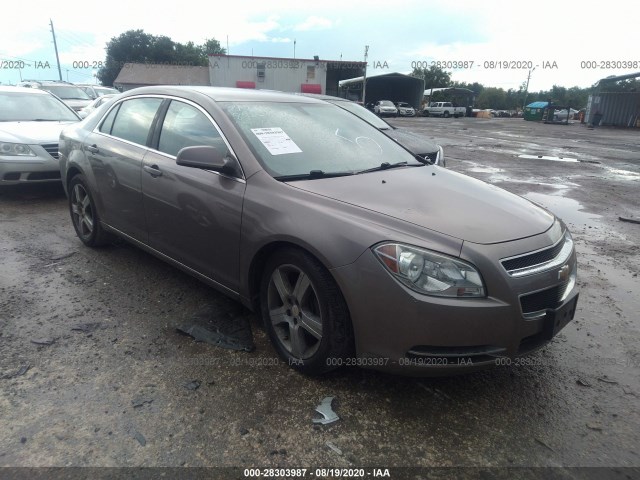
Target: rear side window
pixel 107 123
pixel 134 119
pixel 186 126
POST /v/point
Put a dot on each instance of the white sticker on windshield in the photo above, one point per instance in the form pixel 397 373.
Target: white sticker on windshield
pixel 276 141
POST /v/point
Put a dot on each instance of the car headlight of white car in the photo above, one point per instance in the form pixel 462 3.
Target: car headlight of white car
pixel 429 272
pixel 16 150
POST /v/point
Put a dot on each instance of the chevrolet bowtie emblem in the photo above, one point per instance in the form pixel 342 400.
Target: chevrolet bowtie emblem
pixel 563 273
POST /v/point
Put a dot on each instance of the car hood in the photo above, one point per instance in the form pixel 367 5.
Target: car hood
pixel 415 143
pixel 31 132
pixel 440 200
pixel 76 103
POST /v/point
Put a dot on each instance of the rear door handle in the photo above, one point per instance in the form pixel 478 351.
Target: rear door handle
pixel 93 148
pixel 153 170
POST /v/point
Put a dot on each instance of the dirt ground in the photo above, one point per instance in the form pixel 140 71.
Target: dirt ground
pixel 94 373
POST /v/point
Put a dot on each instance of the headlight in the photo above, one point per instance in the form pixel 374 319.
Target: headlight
pixel 430 273
pixel 16 150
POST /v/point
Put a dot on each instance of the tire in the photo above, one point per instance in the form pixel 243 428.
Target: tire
pixel 425 114
pixel 445 114
pixel 304 312
pixel 84 214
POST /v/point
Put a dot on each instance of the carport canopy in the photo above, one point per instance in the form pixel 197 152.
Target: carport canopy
pixel 396 87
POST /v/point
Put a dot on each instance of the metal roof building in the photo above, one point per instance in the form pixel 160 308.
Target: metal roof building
pixel 614 105
pixel 395 87
pixel 305 75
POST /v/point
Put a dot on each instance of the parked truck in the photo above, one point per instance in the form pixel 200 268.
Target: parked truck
pixel 443 109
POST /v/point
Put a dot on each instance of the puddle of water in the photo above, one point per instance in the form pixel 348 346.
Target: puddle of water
pixel 486 169
pixel 624 174
pixel 546 157
pixel 567 209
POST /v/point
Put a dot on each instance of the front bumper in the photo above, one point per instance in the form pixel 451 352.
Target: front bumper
pixel 402 331
pixel 21 170
pixel 406 113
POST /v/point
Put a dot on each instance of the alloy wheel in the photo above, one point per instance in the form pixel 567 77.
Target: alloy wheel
pixel 82 211
pixel 294 311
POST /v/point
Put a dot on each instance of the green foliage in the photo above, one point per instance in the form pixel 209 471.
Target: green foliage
pixel 135 46
pixel 433 76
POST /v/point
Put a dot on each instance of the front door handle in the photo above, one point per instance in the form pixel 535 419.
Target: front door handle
pixel 93 148
pixel 153 170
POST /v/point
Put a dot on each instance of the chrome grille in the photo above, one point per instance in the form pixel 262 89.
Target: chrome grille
pixel 52 149
pixel 535 258
pixel 541 260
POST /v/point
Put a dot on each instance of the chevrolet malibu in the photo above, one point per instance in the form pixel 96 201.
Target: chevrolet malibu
pixel 352 250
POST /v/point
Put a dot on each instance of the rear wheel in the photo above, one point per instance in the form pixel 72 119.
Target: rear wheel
pixel 304 312
pixel 84 214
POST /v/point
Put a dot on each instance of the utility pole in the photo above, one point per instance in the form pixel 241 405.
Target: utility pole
pixel 294 48
pixel 55 45
pixel 364 79
pixel 526 89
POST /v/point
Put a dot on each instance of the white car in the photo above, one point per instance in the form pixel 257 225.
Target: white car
pixel 31 120
pixel 560 115
pixel 70 94
pixel 405 110
pixel 97 91
pixel 95 104
pixel 385 108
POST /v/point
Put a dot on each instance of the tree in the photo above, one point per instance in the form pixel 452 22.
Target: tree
pixel 131 46
pixel 433 76
pixel 491 97
pixel 135 46
pixel 211 47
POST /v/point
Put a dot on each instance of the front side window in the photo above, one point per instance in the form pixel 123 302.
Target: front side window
pixel 186 126
pixel 134 119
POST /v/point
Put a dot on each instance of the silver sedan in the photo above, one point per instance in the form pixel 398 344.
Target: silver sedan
pixel 30 124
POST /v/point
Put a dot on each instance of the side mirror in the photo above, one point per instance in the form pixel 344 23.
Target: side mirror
pixel 208 158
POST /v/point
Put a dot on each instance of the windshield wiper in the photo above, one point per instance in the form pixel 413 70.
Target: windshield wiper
pixel 312 175
pixel 387 166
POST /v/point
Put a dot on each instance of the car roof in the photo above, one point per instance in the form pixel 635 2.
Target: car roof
pixel 35 91
pixel 46 82
pixel 223 93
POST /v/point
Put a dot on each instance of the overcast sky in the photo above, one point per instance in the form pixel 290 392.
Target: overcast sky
pixel 398 33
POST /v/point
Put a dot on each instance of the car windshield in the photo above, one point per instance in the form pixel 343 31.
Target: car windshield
pixel 404 105
pixel 298 138
pixel 386 103
pixel 363 113
pixel 67 92
pixel 105 91
pixel 24 107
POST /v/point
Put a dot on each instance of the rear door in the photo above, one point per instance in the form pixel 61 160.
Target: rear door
pixel 193 215
pixel 115 150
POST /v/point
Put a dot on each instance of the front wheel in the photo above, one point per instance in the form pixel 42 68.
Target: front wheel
pixel 304 312
pixel 446 115
pixel 84 215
